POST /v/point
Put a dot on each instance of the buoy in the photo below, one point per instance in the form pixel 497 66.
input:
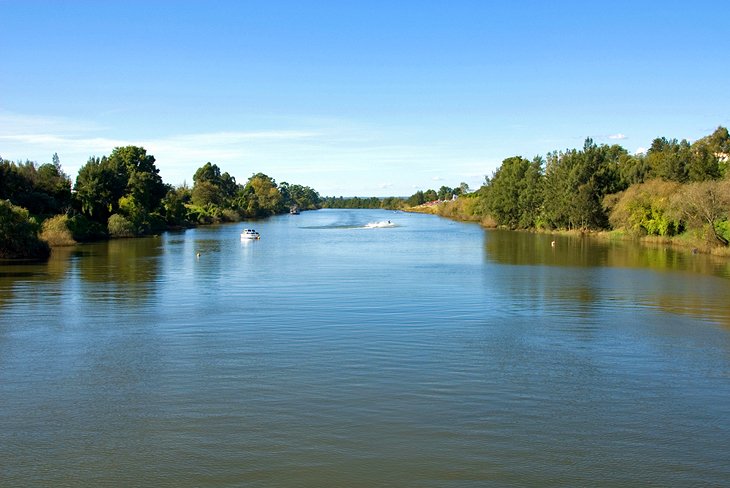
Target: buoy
pixel 197 255
pixel 552 243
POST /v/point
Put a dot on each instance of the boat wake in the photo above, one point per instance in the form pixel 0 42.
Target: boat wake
pixel 378 225
pixel 372 225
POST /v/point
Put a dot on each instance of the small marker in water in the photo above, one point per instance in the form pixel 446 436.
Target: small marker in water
pixel 552 243
pixel 197 255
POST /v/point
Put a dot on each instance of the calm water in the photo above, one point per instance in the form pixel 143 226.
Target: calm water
pixel 427 353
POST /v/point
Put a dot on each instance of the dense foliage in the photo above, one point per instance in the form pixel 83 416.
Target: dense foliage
pixel 390 203
pixel 396 203
pixel 676 187
pixel 123 195
pixel 19 234
pixel 42 190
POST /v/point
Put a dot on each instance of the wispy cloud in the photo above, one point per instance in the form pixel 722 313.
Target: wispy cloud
pixel 617 137
pixel 326 156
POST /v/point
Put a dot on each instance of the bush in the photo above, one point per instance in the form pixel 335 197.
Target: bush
pixel 85 230
pixel 230 215
pixel 644 209
pixel 723 229
pixel 19 234
pixel 156 223
pixel 119 226
pixel 56 232
pixel 705 205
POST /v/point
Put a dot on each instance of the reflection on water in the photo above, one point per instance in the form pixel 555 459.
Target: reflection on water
pixel 524 248
pixel 429 353
pixel 26 275
pixel 616 276
pixel 120 270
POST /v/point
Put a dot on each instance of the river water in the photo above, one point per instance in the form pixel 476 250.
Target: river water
pixel 331 352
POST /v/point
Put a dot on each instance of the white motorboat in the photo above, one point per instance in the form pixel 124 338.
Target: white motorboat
pixel 250 234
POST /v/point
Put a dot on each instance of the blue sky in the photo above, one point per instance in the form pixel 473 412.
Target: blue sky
pixel 370 98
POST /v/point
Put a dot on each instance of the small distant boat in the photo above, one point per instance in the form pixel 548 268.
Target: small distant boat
pixel 250 234
pixel 294 210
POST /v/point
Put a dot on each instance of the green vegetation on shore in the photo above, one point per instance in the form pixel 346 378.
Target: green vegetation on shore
pixel 123 195
pixel 677 192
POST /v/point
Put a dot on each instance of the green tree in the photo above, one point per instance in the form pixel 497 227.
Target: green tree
pixel 208 172
pixel 19 234
pixel 262 196
pixel 530 200
pixel 52 181
pixel 633 169
pixel 303 197
pixel 709 156
pixel 126 183
pixel 173 206
pixel 445 193
pixel 211 188
pixel 207 193
pixel 669 159
pixel 143 181
pixel 42 190
pixel 99 186
pixel 576 183
pixel 504 190
pixel 416 199
pixel 514 193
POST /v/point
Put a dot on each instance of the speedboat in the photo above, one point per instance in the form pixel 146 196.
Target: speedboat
pixel 250 234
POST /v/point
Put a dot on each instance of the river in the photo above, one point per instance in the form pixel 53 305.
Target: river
pixel 420 352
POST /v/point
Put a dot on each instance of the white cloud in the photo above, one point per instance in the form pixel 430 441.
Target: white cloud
pixel 14 124
pixel 324 154
pixel 618 136
pixel 640 150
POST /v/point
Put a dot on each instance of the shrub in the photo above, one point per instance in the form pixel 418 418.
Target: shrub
pixel 85 230
pixel 723 229
pixel 705 205
pixel 644 208
pixel 19 234
pixel 156 222
pixel 119 226
pixel 230 215
pixel 56 233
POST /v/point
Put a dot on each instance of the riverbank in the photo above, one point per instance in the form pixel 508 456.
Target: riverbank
pixel 464 210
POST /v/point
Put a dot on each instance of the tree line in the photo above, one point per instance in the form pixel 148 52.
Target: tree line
pixel 123 195
pixel 397 203
pixel 675 188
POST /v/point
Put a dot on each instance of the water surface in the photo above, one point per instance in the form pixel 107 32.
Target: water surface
pixel 331 352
